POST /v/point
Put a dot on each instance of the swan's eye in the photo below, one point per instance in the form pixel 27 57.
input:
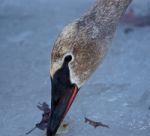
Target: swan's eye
pixel 68 58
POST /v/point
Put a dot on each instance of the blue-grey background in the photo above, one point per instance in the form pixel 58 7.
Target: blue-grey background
pixel 118 93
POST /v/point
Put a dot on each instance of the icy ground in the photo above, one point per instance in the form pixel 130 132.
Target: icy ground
pixel 118 94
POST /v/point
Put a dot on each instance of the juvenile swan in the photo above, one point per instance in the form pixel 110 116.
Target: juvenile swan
pixel 77 52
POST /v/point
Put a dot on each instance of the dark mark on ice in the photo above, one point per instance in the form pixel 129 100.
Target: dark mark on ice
pixel 45 117
pixel 95 124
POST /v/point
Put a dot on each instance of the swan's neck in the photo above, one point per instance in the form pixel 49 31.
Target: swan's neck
pixel 105 15
pixel 109 11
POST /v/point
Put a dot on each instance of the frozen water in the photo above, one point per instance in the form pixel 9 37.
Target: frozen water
pixel 118 93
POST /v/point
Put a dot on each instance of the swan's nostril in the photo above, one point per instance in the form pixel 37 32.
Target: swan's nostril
pixel 68 58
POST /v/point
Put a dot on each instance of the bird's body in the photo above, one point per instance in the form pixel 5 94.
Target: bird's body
pixel 78 50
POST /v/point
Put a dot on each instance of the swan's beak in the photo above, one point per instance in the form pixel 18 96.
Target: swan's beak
pixel 63 95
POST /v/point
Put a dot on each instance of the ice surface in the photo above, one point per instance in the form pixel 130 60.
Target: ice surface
pixel 118 94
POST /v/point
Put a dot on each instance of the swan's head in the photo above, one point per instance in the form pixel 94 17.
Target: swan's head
pixel 82 49
pixel 75 56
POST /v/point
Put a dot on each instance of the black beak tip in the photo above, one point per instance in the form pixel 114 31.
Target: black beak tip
pixel 50 133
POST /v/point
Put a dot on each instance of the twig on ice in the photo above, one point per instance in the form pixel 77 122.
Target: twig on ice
pixel 31 130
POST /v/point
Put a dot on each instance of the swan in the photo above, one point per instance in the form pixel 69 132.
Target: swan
pixel 77 52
